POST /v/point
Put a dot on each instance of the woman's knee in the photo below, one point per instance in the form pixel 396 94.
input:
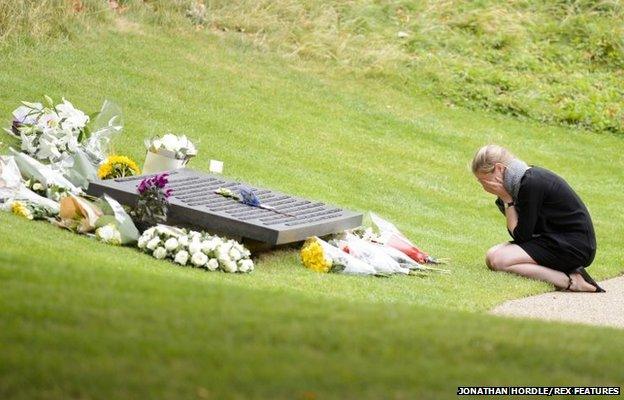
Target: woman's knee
pixel 495 259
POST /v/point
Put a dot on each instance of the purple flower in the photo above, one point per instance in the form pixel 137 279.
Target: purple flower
pixel 155 183
pixel 143 186
pixel 161 180
pixel 248 196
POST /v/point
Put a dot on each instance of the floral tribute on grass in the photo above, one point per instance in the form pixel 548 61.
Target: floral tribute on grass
pixel 65 137
pixel 197 249
pixel 30 210
pixel 62 149
pixel 380 250
pixel 49 132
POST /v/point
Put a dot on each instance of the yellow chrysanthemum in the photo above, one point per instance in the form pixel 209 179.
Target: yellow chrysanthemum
pixel 118 167
pixel 313 256
pixel 19 208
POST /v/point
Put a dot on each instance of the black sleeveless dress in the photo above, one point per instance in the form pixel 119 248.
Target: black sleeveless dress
pixel 554 226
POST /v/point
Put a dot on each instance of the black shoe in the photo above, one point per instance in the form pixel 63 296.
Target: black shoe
pixel 588 279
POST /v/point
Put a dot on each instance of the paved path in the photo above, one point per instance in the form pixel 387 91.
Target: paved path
pixel 605 309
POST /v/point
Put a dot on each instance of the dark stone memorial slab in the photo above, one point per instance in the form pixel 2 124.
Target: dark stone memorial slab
pixel 194 203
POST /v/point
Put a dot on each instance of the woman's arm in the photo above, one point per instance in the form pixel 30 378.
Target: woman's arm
pixel 522 217
pixel 512 218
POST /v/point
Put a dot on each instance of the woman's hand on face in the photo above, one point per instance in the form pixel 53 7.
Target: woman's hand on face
pixel 495 186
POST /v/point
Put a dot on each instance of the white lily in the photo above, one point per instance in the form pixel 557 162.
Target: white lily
pixel 72 117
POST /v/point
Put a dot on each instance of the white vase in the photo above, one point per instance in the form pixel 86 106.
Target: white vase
pixel 159 162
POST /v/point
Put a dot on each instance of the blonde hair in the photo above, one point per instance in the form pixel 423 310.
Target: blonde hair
pixel 487 156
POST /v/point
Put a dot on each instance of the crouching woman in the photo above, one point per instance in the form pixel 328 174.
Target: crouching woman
pixel 552 231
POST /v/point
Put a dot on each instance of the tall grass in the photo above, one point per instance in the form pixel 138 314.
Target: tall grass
pixel 30 21
pixel 557 62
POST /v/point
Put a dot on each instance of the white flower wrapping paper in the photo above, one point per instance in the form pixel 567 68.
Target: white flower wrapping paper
pixel 372 255
pixel 194 248
pixel 13 189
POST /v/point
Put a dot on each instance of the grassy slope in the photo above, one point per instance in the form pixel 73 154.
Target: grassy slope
pixel 558 61
pixel 123 325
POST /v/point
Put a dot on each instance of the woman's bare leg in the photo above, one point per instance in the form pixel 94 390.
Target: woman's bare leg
pixel 512 258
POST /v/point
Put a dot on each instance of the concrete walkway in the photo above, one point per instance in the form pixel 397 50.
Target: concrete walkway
pixel 606 309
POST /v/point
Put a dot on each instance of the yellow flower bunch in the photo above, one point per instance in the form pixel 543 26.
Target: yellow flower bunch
pixel 118 167
pixel 19 208
pixel 313 256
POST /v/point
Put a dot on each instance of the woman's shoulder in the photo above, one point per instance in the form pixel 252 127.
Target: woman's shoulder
pixel 539 177
pixel 540 174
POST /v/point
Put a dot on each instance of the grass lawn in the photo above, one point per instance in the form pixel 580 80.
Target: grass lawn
pixel 79 319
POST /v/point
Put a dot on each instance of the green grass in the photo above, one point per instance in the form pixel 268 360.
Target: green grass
pixel 123 325
pixel 558 62
pixel 81 319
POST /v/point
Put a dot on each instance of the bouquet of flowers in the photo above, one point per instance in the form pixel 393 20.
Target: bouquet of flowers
pixel 199 249
pixel 152 205
pixel 108 234
pixel 69 141
pixel 320 256
pixel 115 225
pixel 387 234
pixel 13 188
pixel 49 132
pixel 167 153
pixel 78 214
pixel 116 166
pixel 30 210
pixel 371 254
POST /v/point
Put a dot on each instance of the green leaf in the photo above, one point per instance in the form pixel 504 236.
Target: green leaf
pixel 49 100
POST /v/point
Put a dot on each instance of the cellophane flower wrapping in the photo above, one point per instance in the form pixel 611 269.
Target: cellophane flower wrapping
pixel 12 188
pixel 116 215
pixel 107 124
pixel 78 214
pixel 31 168
pixel 389 235
pixel 66 139
pixel 371 254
